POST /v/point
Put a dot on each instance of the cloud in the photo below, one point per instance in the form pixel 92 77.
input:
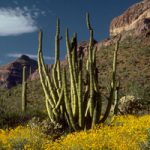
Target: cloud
pixel 16 21
pixel 16 55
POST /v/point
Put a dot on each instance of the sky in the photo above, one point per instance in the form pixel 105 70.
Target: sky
pixel 20 21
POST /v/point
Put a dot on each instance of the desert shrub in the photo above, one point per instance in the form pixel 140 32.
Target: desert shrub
pixel 22 138
pixel 18 143
pixel 12 119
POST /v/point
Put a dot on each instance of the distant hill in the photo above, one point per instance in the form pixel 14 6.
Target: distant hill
pixel 11 74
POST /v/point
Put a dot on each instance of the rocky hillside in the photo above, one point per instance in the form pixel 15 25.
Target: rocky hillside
pixel 11 74
pixel 135 19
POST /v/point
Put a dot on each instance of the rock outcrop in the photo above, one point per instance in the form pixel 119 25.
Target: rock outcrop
pixel 135 19
pixel 11 74
pixel 130 105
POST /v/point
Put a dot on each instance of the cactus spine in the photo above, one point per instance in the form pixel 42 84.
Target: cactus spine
pixel 24 90
pixel 78 106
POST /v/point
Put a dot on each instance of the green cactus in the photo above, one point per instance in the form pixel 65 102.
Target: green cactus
pixel 114 87
pixel 116 98
pixel 24 90
pixel 78 106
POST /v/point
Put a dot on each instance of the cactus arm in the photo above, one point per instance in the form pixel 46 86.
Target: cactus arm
pixel 67 102
pixel 60 99
pixel 47 98
pixel 113 84
pixel 80 100
pixel 49 110
pixel 54 75
pixel 88 21
pixel 54 96
pixel 40 68
pixel 116 98
pixel 97 109
pixel 52 100
pixel 74 55
pixel 59 74
pixel 90 65
pixel 57 41
pixel 94 119
pixel 56 67
pixel 24 90
pixel 67 119
pixel 71 69
pixel 57 51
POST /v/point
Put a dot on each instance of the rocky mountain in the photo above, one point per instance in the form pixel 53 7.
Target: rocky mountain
pixel 11 74
pixel 134 21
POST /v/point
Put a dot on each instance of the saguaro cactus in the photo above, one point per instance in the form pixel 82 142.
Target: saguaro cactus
pixel 24 90
pixel 67 99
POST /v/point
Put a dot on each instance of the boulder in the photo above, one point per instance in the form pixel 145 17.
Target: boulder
pixel 129 105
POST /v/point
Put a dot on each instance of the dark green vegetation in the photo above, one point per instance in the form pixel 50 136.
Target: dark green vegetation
pixel 11 105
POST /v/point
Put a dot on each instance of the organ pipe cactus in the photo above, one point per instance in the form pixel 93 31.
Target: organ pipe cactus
pixel 24 90
pixel 114 87
pixel 72 98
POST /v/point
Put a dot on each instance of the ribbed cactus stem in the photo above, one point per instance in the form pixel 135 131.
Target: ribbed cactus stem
pixel 60 99
pixel 74 56
pixel 42 72
pixel 55 77
pixel 44 84
pixel 49 111
pixel 94 119
pixel 59 74
pixel 90 65
pixel 68 102
pixel 48 99
pixel 72 77
pixel 24 90
pixel 56 68
pixel 80 99
pixel 113 84
pixel 116 97
pixel 57 41
pixel 88 21
pixel 114 66
pixel 75 46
